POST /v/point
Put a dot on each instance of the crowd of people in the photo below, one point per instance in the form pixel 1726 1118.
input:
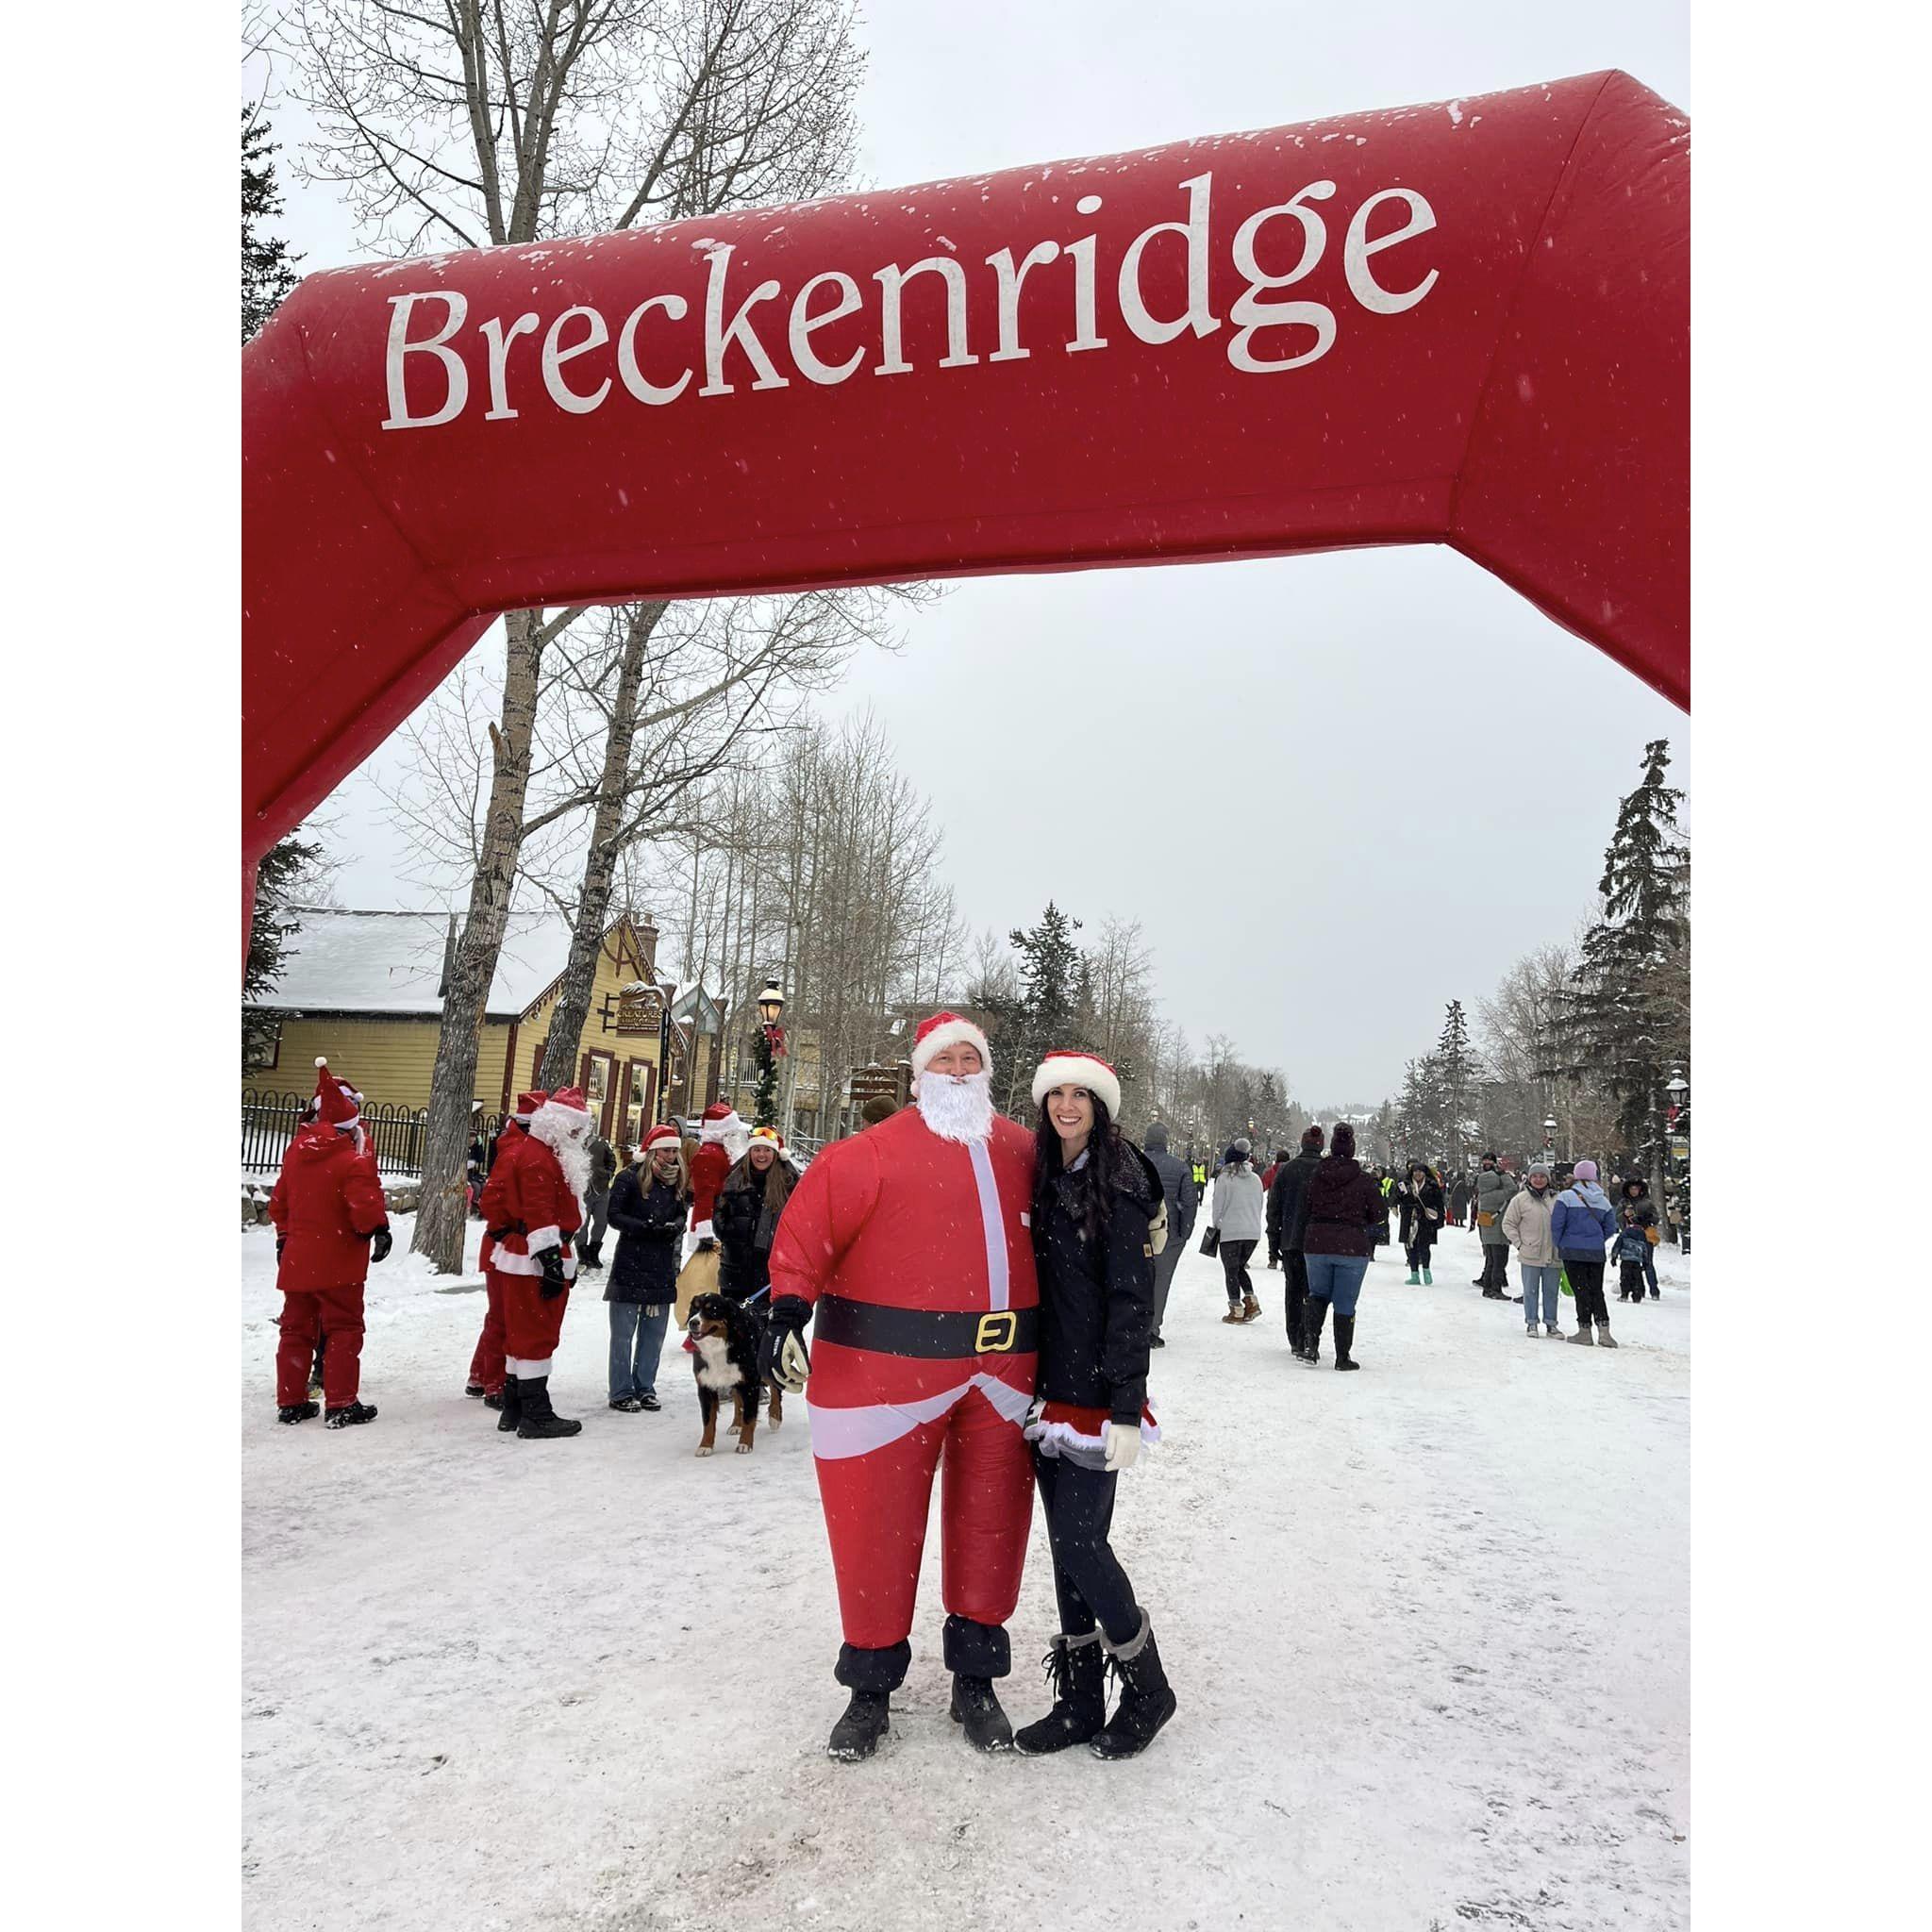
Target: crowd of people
pixel 977 1295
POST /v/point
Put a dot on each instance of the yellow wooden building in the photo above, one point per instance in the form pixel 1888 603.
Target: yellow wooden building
pixel 364 990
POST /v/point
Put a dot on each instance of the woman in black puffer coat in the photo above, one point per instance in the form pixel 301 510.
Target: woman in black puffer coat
pixel 1094 1195
pixel 650 1202
pixel 1420 1194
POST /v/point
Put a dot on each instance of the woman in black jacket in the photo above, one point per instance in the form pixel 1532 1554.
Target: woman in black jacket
pixel 1341 1211
pixel 650 1202
pixel 1094 1194
pixel 1421 1196
pixel 745 1218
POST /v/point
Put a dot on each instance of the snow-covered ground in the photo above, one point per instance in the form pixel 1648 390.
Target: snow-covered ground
pixel 1428 1625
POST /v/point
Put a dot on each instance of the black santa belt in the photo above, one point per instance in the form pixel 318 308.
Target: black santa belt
pixel 926 1334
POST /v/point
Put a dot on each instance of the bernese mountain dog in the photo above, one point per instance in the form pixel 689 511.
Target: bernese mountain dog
pixel 724 1339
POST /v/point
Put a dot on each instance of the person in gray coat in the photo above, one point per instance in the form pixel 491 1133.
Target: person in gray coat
pixel 1183 1202
pixel 1494 1189
pixel 1236 1211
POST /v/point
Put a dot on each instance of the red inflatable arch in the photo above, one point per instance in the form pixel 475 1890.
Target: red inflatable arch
pixel 1463 323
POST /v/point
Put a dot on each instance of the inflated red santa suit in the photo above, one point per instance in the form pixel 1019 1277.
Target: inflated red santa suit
pixel 487 1366
pixel 329 1218
pixel 911 1248
pixel 723 1139
pixel 532 1203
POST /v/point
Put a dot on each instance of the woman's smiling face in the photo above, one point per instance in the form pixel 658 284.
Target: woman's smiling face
pixel 1071 1110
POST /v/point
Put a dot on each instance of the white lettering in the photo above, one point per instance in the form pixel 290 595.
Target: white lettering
pixel 1356 248
pixel 499 339
pixel 556 355
pixel 1193 231
pixel 1012 280
pixel 1086 333
pixel 634 377
pixel 718 337
pixel 1250 316
pixel 891 279
pixel 400 346
pixel 803 324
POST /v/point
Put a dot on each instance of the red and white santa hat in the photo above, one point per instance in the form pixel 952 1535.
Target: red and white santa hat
pixel 663 1135
pixel 337 1103
pixel 942 1031
pixel 528 1103
pixel 1067 1067
pixel 719 1123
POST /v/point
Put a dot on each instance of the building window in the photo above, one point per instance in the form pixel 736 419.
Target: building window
pixel 261 1042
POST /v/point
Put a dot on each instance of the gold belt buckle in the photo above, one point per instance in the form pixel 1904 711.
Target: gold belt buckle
pixel 1003 1324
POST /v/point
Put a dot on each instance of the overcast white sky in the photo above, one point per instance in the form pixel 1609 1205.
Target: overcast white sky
pixel 1351 787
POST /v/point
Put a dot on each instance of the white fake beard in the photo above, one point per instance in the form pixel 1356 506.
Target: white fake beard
pixel 566 1133
pixel 957 1109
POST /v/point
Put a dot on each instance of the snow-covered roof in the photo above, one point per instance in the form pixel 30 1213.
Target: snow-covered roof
pixel 391 963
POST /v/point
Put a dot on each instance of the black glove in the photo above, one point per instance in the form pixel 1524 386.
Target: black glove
pixel 380 1245
pixel 282 1242
pixel 706 1244
pixel 554 1283
pixel 786 1324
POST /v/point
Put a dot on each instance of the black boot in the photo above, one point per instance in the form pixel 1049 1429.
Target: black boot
pixel 1344 1342
pixel 511 1405
pixel 857 1735
pixel 977 1706
pixel 1075 1668
pixel 297 1412
pixel 350 1414
pixel 1314 1312
pixel 1147 1700
pixel 540 1420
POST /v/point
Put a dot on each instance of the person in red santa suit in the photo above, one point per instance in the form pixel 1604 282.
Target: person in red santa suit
pixel 330 1224
pixel 487 1365
pixel 723 1139
pixel 908 1249
pixel 532 1205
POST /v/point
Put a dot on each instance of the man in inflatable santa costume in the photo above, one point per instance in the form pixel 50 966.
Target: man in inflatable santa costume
pixel 908 1248
pixel 532 1203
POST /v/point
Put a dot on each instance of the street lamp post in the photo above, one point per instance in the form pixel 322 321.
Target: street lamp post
pixel 771 1044
pixel 1550 1139
pixel 1677 1130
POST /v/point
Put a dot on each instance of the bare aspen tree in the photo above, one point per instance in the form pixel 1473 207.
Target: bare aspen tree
pixel 467 123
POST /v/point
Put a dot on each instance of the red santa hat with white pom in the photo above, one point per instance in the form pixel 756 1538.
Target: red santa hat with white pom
pixel 1065 1067
pixel 942 1031
pixel 337 1103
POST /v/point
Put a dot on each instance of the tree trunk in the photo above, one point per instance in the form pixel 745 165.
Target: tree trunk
pixel 439 1220
pixel 572 1009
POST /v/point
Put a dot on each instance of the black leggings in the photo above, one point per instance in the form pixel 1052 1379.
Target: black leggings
pixel 1087 1580
pixel 1587 1284
pixel 1418 1252
pixel 1234 1264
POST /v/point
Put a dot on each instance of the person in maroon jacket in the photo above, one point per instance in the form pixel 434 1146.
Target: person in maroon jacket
pixel 1339 1203
pixel 330 1224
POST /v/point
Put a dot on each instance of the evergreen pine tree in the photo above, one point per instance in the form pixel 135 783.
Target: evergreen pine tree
pixel 1054 979
pixel 268 269
pixel 277 880
pixel 1458 1073
pixel 1622 1023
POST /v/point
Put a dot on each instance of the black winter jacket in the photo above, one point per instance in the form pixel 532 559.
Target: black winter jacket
pixel 1340 1206
pixel 743 1267
pixel 1285 1197
pixel 650 1229
pixel 1419 1230
pixel 1096 1300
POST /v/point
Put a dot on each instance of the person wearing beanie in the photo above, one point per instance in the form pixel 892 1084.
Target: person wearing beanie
pixel 1285 1206
pixel 1338 1210
pixel 1418 1194
pixel 1636 1216
pixel 1095 1197
pixel 1183 1202
pixel 1237 1212
pixel 650 1202
pixel 907 1248
pixel 1527 1226
pixel 1580 1224
pixel 879 1107
pixel 1494 1189
pixel 330 1222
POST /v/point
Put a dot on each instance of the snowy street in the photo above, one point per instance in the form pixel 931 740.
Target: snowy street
pixel 1429 1625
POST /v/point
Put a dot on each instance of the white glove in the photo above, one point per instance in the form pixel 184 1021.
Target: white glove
pixel 1123 1446
pixel 792 1365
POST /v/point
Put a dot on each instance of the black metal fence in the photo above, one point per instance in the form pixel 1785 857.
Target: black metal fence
pixel 269 1122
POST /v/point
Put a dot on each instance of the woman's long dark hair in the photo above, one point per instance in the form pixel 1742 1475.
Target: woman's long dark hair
pixel 1090 1189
